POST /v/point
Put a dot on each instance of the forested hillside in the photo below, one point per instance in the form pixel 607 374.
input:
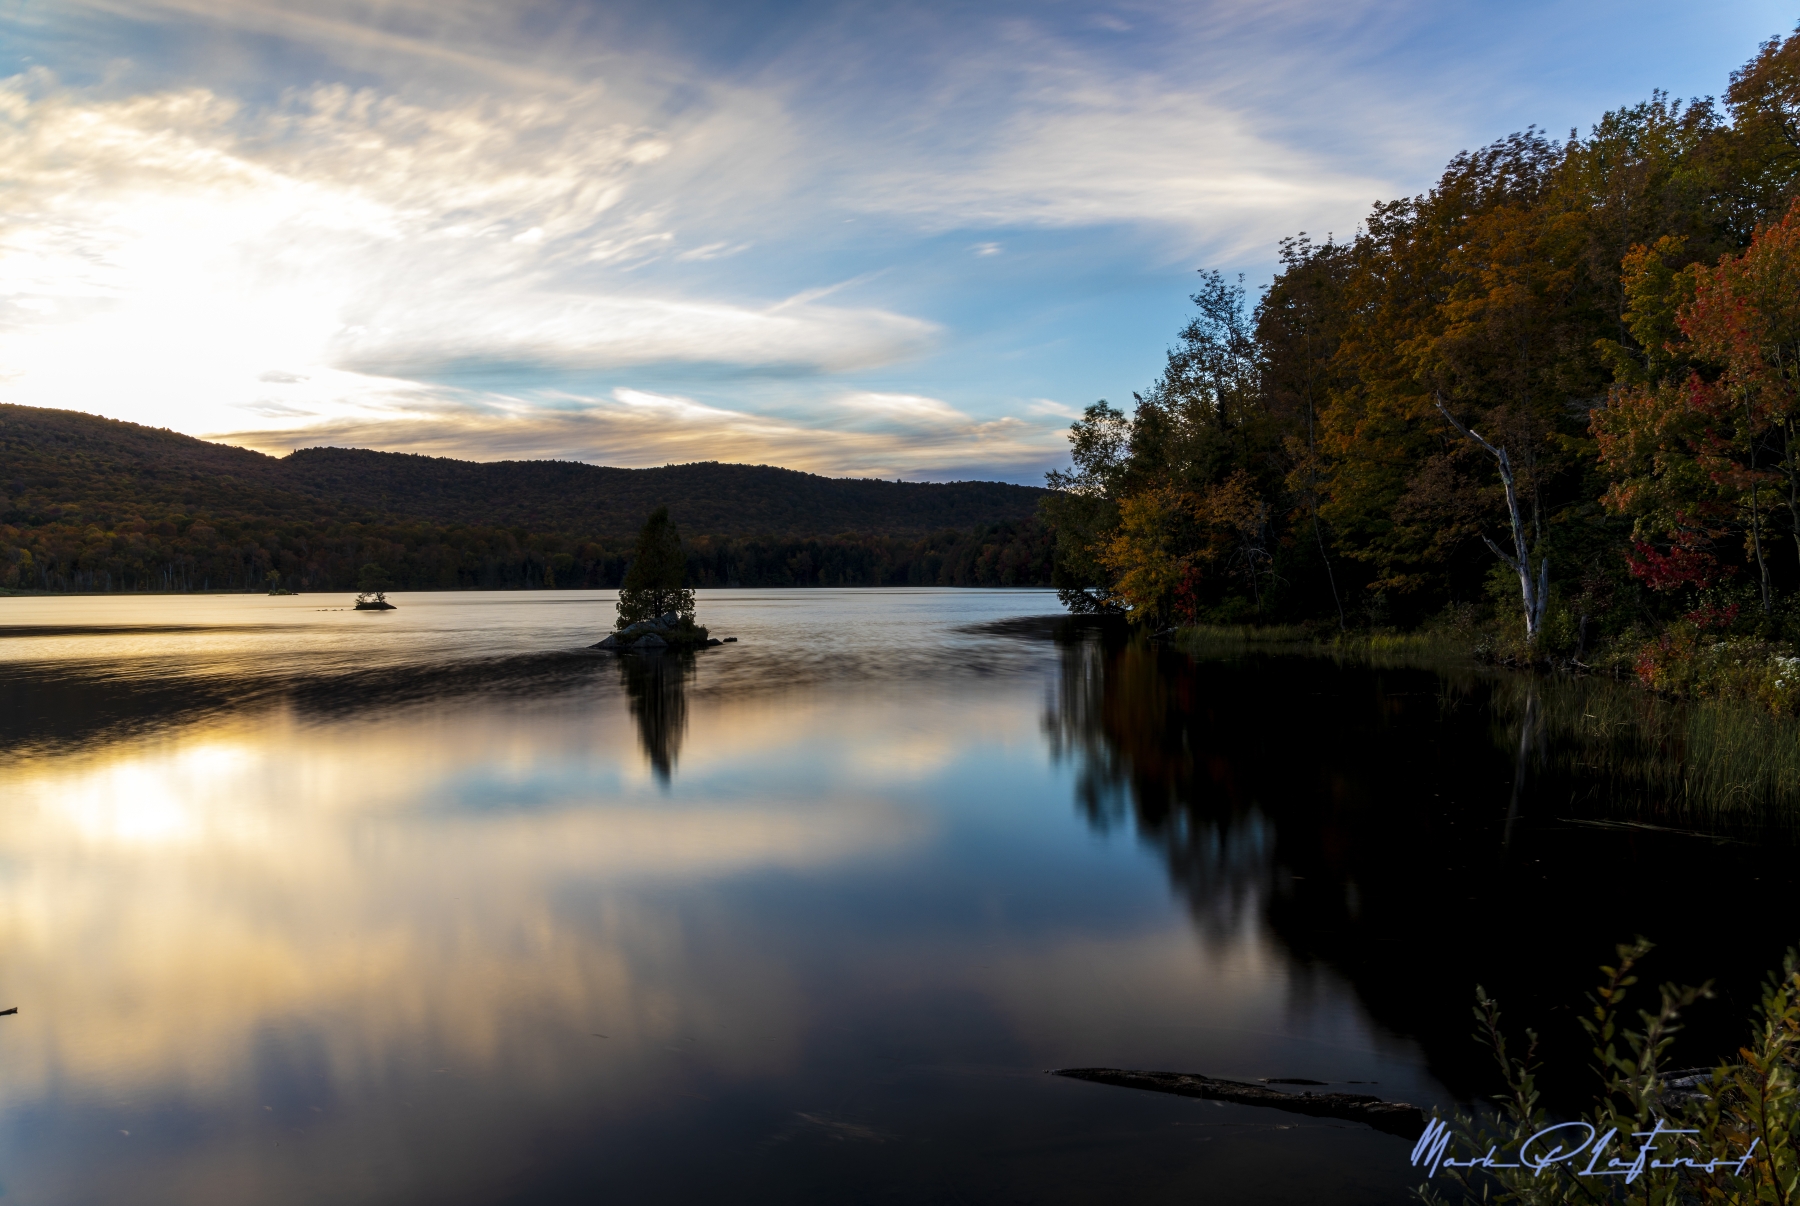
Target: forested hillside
pixel 92 504
pixel 1611 320
pixel 708 498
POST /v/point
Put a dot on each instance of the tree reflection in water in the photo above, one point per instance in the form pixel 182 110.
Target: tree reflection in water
pixel 1121 715
pixel 1419 832
pixel 656 684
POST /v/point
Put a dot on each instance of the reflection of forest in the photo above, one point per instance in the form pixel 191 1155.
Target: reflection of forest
pixel 1362 816
pixel 1122 715
pixel 656 684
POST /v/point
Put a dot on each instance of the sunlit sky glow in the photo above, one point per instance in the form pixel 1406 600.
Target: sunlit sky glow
pixel 865 239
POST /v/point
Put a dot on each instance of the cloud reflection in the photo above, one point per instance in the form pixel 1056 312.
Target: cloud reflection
pixel 171 897
pixel 365 954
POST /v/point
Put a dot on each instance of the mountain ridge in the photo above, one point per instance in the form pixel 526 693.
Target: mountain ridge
pixel 39 447
pixel 97 505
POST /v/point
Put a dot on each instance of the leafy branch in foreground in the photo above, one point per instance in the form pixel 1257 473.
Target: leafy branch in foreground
pixel 1654 1138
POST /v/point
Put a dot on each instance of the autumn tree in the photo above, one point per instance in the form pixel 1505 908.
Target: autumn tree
pixel 1603 320
pixel 1299 325
pixel 1704 442
pixel 1173 510
pixel 1745 318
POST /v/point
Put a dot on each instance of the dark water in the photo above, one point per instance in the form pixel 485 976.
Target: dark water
pixel 304 905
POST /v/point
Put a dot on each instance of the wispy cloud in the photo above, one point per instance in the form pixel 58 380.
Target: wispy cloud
pixel 712 251
pixel 427 216
pixel 1092 156
pixel 346 235
pixel 875 435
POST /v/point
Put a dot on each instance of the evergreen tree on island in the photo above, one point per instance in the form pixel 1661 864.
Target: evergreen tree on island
pixel 656 606
pixel 656 581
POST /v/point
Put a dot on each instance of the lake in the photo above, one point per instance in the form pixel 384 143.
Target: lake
pixel 304 905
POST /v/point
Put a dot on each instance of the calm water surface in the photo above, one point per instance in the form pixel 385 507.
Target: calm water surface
pixel 434 906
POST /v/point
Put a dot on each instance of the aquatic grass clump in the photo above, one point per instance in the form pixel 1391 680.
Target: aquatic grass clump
pixel 1724 760
pixel 1725 756
pixel 1427 647
pixel 1233 640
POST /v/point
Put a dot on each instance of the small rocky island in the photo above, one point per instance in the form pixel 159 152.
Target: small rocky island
pixel 671 630
pixel 656 607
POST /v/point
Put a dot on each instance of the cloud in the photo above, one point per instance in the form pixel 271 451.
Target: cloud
pixel 455 208
pixel 852 434
pixel 712 251
pixel 1076 142
pixel 462 37
pixel 345 235
pixel 1003 118
pixel 1110 158
pixel 902 410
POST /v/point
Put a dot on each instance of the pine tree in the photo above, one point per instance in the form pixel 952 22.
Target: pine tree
pixel 655 583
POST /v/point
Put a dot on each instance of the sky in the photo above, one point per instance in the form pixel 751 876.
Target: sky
pixel 905 240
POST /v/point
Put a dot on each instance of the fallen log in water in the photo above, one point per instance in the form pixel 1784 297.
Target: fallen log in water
pixel 1394 1117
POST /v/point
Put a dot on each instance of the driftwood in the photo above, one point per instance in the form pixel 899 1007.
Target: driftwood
pixel 1394 1117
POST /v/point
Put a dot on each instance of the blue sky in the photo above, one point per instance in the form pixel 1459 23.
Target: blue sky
pixel 905 240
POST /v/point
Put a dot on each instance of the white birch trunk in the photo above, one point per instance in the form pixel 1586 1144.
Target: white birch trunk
pixel 1534 595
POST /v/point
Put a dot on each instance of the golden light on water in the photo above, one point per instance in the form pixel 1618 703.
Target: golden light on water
pixel 358 920
pixel 171 899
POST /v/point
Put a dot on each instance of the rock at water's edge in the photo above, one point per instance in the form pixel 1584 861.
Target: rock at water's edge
pixel 650 641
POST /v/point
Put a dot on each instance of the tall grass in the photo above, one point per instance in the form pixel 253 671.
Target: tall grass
pixel 1722 762
pixel 1429 648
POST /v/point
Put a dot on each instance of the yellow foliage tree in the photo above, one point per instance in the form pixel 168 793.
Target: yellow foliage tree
pixel 1169 540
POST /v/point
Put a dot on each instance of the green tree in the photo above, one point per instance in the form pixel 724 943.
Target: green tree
pixel 1083 508
pixel 656 582
pixel 372 583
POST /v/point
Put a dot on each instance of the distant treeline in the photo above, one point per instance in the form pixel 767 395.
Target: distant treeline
pixel 85 553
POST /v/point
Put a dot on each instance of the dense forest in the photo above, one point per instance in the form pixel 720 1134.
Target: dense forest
pixel 1554 399
pixel 91 504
